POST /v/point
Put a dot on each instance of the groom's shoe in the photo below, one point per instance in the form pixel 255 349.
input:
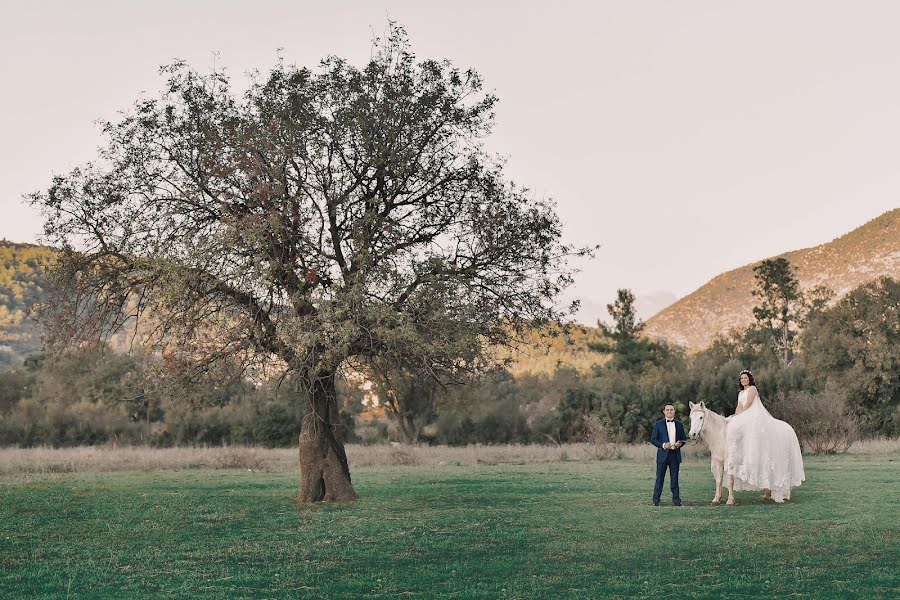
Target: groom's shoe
pixel 656 503
pixel 676 503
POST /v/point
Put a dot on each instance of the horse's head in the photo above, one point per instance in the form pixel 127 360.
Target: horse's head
pixel 698 417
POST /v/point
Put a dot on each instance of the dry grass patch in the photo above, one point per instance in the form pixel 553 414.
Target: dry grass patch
pixel 879 446
pixel 103 459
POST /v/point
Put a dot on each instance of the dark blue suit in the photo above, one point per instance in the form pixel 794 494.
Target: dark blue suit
pixel 670 459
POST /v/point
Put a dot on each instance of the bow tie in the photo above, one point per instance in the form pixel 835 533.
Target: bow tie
pixel 670 420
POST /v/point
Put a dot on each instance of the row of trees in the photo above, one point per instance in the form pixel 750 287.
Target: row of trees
pixel 842 359
pixel 842 365
pixel 97 395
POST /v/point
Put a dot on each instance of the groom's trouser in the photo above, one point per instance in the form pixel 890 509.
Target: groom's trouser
pixel 672 464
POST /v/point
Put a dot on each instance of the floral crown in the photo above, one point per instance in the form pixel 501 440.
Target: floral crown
pixel 747 371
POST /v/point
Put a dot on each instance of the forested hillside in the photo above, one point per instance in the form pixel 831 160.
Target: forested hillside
pixel 22 268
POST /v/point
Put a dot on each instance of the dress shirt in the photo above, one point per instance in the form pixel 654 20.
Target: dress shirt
pixel 670 426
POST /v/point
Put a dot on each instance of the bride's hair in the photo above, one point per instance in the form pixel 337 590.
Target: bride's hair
pixel 749 374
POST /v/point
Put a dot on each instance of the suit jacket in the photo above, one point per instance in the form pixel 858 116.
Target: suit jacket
pixel 660 436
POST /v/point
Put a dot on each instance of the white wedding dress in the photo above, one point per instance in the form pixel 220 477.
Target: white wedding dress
pixel 762 452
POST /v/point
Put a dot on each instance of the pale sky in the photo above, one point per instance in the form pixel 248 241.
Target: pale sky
pixel 688 138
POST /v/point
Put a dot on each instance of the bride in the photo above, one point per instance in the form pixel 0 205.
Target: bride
pixel 761 452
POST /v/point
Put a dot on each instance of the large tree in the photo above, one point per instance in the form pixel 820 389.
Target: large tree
pixel 328 215
pixel 630 351
pixel 783 309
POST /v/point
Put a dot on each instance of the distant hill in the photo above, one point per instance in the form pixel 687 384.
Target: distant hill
pixel 22 268
pixel 557 349
pixel 726 301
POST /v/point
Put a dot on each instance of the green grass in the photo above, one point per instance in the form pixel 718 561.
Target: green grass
pixel 562 530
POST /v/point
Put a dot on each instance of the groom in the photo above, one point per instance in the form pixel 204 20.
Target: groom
pixel 668 436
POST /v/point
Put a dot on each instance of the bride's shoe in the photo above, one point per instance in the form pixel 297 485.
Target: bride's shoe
pixel 766 496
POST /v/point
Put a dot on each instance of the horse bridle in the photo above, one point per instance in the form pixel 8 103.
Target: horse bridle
pixel 702 424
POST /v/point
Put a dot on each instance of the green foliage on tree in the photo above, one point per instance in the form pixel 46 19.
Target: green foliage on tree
pixel 855 346
pixel 630 352
pixel 783 307
pixel 488 410
pixel 627 393
pixel 96 395
pixel 14 385
pixel 409 396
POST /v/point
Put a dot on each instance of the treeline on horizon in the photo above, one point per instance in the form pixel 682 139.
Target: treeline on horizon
pixel 831 371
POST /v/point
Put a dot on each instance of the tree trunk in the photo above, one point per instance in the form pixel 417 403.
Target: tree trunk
pixel 409 433
pixel 324 473
pixel 784 341
pixel 416 424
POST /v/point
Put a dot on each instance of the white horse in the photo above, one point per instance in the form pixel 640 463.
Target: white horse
pixel 710 427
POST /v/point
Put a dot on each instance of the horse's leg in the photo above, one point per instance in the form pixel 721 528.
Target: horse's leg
pixel 730 501
pixel 719 466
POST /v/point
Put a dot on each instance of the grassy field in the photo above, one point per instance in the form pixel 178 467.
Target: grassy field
pixel 551 530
